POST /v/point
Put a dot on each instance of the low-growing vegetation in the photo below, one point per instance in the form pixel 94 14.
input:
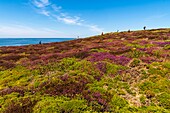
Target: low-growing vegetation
pixel 121 72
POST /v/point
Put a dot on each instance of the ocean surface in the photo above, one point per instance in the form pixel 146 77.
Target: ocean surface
pixel 28 41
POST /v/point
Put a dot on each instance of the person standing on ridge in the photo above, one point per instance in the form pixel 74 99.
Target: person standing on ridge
pixel 144 27
pixel 39 42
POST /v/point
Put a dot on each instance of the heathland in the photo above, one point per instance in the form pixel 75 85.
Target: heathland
pixel 119 72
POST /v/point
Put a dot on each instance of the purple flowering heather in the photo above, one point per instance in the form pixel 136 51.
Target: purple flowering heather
pixel 150 59
pixel 148 50
pixel 101 66
pixel 97 94
pixel 144 42
pixel 102 101
pixel 161 43
pixel 50 56
pixel 115 43
pixel 122 60
pixel 168 34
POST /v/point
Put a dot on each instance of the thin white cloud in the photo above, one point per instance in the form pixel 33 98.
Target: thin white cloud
pixel 20 31
pixel 55 12
pixel 44 12
pixel 56 8
pixel 41 3
pixel 69 20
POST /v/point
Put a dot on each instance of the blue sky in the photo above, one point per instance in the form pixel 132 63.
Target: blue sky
pixel 72 18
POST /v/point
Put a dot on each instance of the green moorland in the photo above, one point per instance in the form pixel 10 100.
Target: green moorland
pixel 125 72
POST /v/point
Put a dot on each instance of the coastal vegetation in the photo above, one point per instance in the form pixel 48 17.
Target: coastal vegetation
pixel 119 72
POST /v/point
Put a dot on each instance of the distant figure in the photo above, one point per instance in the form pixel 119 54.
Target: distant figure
pixel 144 27
pixel 117 30
pixel 129 30
pixel 78 37
pixel 39 42
pixel 102 34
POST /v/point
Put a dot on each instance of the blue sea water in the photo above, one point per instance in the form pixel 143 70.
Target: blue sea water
pixel 27 41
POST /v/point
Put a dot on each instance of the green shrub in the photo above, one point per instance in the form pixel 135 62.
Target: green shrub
pixel 18 76
pixel 15 103
pixel 164 100
pixel 135 63
pixel 166 65
pixel 117 103
pixel 136 53
pixel 60 105
pixel 142 99
pixel 99 50
pixel 6 100
pixel 149 94
pixel 112 69
pixel 167 47
pixel 159 68
pixel 152 109
pixel 147 85
pixel 84 66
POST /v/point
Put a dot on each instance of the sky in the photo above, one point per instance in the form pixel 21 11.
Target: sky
pixel 83 18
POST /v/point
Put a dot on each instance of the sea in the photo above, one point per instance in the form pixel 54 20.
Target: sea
pixel 28 41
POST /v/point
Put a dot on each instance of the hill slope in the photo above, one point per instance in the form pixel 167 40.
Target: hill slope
pixel 114 72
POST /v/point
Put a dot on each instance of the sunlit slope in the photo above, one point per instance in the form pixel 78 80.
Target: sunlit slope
pixel 119 72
